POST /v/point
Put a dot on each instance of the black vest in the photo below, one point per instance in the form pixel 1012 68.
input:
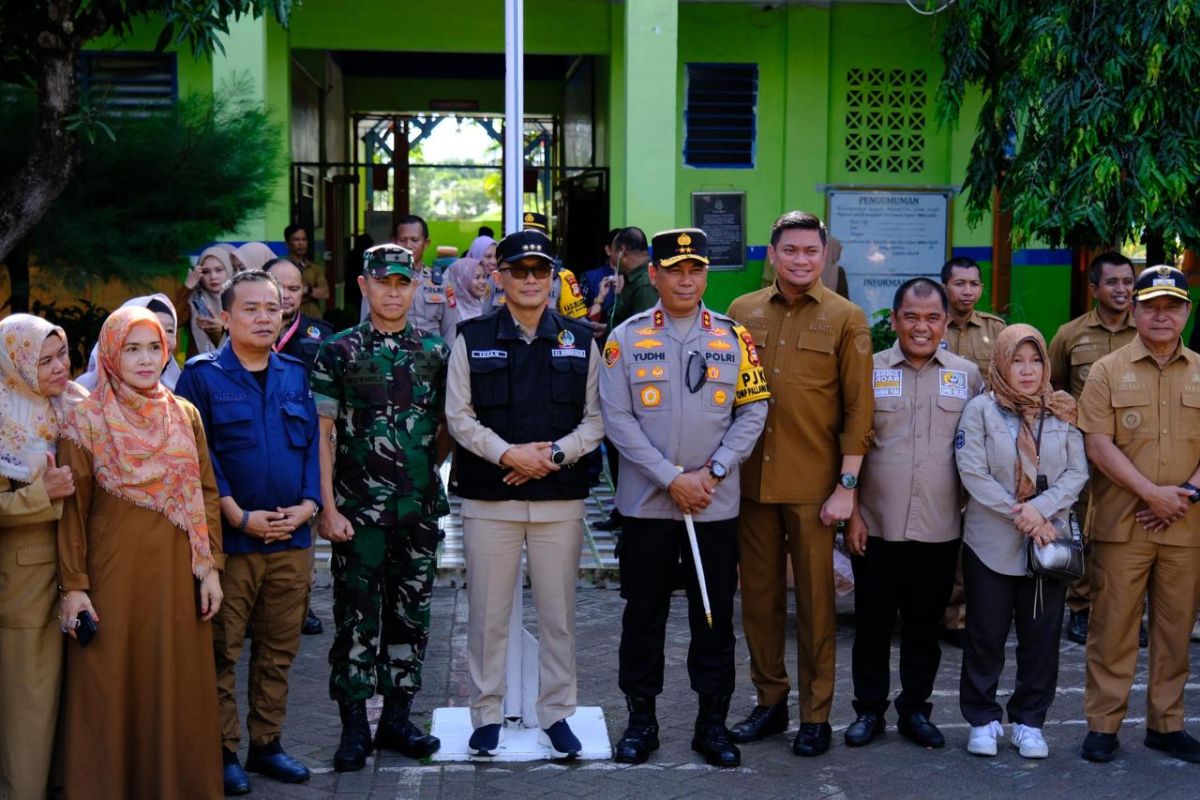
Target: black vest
pixel 532 392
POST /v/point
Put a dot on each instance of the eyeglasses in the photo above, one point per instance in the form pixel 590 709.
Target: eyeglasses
pixel 541 271
pixel 695 375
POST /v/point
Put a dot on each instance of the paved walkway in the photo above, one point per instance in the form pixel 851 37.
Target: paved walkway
pixel 892 767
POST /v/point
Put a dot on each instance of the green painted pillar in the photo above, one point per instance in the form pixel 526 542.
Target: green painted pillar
pixel 652 114
pixel 257 57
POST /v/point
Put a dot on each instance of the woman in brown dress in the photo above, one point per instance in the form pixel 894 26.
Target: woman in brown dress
pixel 139 549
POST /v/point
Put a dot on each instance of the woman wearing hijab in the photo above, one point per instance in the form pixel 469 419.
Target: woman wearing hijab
pixel 34 368
pixel 470 286
pixel 483 250
pixel 237 264
pixel 198 302
pixel 1007 438
pixel 139 548
pixel 254 255
pixel 160 304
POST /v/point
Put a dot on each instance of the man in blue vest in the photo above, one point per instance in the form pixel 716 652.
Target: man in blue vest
pixel 522 401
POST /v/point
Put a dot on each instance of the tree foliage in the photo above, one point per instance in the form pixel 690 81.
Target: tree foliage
pixel 1090 119
pixel 164 184
pixel 40 42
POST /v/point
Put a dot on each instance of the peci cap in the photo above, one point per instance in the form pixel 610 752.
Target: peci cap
pixel 388 259
pixel 518 245
pixel 1161 281
pixel 671 247
pixel 533 221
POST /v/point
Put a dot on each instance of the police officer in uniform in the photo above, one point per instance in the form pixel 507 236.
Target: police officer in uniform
pixel 970 334
pixel 566 295
pixel 523 405
pixel 380 387
pixel 684 401
pixel 434 307
pixel 1078 344
pixel 1140 414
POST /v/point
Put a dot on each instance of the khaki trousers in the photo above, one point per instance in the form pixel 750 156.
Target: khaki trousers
pixel 273 589
pixel 1123 572
pixel 31 660
pixel 493 553
pixel 767 534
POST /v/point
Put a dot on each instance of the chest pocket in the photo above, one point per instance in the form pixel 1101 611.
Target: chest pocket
pixel 720 385
pixel 366 384
pixel 568 380
pixel 233 427
pixel 650 386
pixel 892 427
pixel 814 362
pixel 489 382
pixel 943 425
pixel 1133 415
pixel 1081 362
pixel 1189 412
pixel 296 422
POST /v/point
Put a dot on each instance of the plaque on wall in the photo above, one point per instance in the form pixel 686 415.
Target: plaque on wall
pixel 889 236
pixel 722 215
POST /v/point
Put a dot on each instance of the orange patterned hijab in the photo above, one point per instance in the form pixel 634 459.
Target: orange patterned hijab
pixel 142 444
pixel 29 421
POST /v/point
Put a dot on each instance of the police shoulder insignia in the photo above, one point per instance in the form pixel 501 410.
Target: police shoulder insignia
pixel 706 320
pixel 659 321
pixel 960 439
pixel 748 341
pixel 450 301
pixel 612 351
pixel 574 284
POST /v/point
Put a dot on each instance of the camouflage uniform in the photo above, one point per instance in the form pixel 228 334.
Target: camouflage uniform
pixel 386 393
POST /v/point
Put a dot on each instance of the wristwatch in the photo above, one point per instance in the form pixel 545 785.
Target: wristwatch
pixel 557 455
pixel 1194 497
pixel 717 470
pixel 848 481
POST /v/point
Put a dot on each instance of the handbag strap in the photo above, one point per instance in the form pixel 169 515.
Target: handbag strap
pixel 1038 439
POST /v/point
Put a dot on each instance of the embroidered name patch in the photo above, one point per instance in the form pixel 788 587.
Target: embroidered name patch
pixel 952 383
pixel 570 352
pixel 888 382
pixel 489 354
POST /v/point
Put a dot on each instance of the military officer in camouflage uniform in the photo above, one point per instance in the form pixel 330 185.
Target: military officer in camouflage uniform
pixel 380 387
pixel 434 307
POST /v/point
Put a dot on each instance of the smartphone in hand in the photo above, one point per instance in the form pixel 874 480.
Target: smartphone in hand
pixel 85 628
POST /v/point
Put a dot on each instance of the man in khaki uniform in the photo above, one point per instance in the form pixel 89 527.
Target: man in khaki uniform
pixel 971 334
pixel 904 533
pixel 1078 344
pixel 1140 412
pixel 800 480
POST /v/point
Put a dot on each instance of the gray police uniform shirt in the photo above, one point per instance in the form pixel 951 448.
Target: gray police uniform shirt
pixel 434 308
pixel 658 425
pixel 986 453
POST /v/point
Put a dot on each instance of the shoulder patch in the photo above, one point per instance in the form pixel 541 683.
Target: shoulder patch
pixel 450 301
pixel 748 341
pixel 612 352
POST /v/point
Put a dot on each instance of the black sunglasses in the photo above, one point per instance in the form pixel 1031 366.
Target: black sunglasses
pixel 695 375
pixel 541 271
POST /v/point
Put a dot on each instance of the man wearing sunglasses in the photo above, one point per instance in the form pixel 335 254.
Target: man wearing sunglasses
pixel 684 402
pixel 523 405
pixel 380 387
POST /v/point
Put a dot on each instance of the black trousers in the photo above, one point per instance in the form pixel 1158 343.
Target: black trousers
pixel 651 551
pixel 913 579
pixel 994 601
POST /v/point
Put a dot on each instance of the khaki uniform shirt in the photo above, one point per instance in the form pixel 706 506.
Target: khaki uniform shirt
pixel 909 488
pixel 816 354
pixel 659 425
pixel 312 275
pixel 434 309
pixel 975 340
pixel 1153 415
pixel 1082 342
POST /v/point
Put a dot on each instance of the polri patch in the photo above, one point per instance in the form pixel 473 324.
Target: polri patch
pixel 960 439
pixel 952 383
pixel 612 351
pixel 888 382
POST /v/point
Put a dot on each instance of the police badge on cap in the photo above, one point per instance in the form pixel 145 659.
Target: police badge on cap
pixel 1161 281
pixel 671 247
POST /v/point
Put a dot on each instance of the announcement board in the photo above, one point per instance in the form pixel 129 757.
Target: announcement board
pixel 888 236
pixel 722 215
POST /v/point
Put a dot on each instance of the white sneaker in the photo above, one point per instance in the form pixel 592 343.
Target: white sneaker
pixel 983 738
pixel 1029 741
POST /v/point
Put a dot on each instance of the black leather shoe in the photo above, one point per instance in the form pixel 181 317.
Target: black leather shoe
pixel 355 744
pixel 1077 627
pixel 955 637
pixel 484 741
pixel 864 729
pixel 397 732
pixel 711 738
pixel 641 735
pixel 1180 744
pixel 1100 747
pixel 812 739
pixel 312 626
pixel 920 730
pixel 235 778
pixel 270 760
pixel 763 721
pixel 1143 636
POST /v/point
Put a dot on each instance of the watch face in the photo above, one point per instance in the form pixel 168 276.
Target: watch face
pixel 849 481
pixel 718 470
